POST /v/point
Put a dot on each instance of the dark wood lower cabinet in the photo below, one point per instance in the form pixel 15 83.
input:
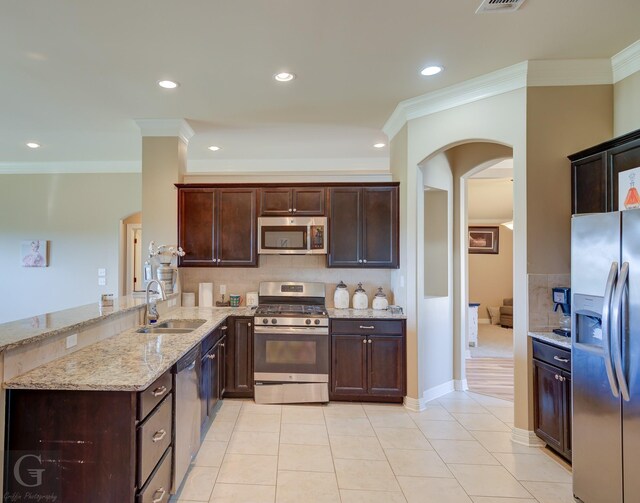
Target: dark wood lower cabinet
pixel 212 377
pixel 239 358
pixel 368 360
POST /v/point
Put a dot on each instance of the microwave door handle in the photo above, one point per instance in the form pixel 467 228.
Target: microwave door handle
pixel 616 330
pixel 606 324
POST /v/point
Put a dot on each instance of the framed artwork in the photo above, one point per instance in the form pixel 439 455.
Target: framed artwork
pixel 33 253
pixel 483 239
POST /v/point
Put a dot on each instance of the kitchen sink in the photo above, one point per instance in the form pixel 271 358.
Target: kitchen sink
pixel 163 330
pixel 172 327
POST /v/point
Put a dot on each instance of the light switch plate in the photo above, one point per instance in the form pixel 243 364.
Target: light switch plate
pixel 72 340
pixel 102 272
pixel 102 281
pixel 223 289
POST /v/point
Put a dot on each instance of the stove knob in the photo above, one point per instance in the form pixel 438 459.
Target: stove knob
pixel 308 322
pixel 273 321
pixel 265 321
pixel 317 322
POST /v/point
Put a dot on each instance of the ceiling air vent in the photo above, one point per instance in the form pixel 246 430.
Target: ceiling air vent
pixel 489 6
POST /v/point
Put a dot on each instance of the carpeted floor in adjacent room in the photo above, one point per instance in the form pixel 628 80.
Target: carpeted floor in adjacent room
pixel 490 368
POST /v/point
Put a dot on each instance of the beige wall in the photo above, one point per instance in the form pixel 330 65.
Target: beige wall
pixel 79 214
pixel 626 105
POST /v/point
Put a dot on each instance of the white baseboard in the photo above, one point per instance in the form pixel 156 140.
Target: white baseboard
pixel 414 404
pixel 420 404
pixel 526 437
pixel 460 385
pixel 484 321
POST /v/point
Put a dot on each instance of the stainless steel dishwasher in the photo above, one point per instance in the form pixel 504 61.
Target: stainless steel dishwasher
pixel 186 413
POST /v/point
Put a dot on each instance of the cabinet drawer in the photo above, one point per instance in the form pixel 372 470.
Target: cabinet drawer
pixel 553 355
pixel 153 438
pixel 158 487
pixel 367 327
pixel 149 398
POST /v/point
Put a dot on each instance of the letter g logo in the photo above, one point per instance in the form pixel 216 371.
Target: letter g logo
pixel 33 472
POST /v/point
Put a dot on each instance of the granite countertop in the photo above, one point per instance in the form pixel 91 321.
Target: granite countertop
pixel 373 314
pixel 126 362
pixel 28 330
pixel 558 340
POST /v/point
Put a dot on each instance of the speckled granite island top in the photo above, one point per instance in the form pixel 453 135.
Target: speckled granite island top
pixel 372 314
pixel 126 362
pixel 550 337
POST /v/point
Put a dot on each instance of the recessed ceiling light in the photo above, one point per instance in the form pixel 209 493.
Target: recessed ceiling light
pixel 213 148
pixel 32 144
pixel 379 145
pixel 168 84
pixel 284 77
pixel 431 70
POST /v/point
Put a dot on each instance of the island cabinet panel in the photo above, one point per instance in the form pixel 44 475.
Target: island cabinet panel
pixel 217 227
pixel 80 446
pixel 285 201
pixel 239 358
pixel 368 361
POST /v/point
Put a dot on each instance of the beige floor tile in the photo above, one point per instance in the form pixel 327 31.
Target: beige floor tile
pixel 480 422
pixel 415 463
pixel 383 408
pixel 354 426
pixel 302 415
pixel 353 496
pixel 444 430
pixel 432 490
pixel 220 431
pixel 248 469
pixel 482 480
pixel 258 422
pixel 505 414
pixel 402 438
pixel 433 413
pixel 534 467
pixel 466 407
pixel 391 420
pixel 550 492
pixel 254 442
pixel 305 434
pixel 211 453
pixel 365 474
pixel 487 400
pixel 261 408
pixel 348 447
pixel 468 452
pixel 500 441
pixel 491 499
pixel 338 409
pixel 460 396
pixel 295 487
pixel 306 458
pixel 199 484
pixel 241 493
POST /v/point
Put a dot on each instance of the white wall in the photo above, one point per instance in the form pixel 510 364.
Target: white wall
pixel 79 214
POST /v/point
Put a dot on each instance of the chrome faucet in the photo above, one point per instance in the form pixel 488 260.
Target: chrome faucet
pixel 151 310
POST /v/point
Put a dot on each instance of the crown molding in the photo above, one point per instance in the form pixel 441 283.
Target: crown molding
pixel 166 127
pixel 569 72
pixel 626 62
pixel 75 167
pixel 492 84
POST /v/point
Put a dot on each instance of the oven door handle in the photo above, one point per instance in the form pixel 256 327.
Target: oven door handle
pixel 262 330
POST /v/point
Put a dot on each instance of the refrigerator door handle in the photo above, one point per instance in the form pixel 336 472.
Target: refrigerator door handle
pixel 616 326
pixel 606 324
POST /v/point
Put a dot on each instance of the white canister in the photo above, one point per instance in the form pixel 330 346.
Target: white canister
pixel 380 302
pixel 341 296
pixel 252 299
pixel 360 299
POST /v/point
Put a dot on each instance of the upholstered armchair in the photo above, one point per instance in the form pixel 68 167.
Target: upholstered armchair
pixel 506 313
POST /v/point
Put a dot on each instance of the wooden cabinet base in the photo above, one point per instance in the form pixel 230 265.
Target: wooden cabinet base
pixel 365 398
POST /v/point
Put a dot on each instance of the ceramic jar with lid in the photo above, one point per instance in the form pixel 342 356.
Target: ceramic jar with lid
pixel 380 302
pixel 341 296
pixel 360 299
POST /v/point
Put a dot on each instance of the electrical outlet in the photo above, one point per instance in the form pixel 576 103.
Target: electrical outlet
pixel 102 281
pixel 172 302
pixel 102 272
pixel 72 340
pixel 223 289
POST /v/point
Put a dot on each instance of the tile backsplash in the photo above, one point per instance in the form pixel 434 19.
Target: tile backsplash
pixel 541 315
pixel 285 268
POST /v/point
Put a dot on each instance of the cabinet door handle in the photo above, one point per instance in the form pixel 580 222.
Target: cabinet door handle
pixel 367 327
pixel 158 496
pixel 369 341
pixel 294 210
pixel 365 261
pixel 159 391
pixel 558 359
pixel 211 357
pixel 159 435
pixel 364 341
pixel 222 344
pixel 556 377
pixel 248 324
pixel 359 261
pixel 290 210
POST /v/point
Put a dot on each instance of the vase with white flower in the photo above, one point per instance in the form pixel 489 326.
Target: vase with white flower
pixel 165 254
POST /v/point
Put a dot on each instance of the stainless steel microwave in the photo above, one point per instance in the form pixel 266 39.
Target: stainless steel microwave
pixel 292 235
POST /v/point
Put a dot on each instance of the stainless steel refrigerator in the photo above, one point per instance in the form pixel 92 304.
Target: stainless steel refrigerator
pixel 605 284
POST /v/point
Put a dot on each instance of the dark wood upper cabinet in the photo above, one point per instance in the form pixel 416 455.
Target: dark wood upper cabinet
pixel 285 201
pixel 594 173
pixel 217 227
pixel 363 227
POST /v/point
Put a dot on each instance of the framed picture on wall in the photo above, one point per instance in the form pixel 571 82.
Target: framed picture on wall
pixel 33 253
pixel 484 239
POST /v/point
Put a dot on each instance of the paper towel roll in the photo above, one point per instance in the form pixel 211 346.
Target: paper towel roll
pixel 205 295
pixel 188 299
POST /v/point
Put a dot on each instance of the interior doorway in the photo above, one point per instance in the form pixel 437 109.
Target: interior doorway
pixel 131 254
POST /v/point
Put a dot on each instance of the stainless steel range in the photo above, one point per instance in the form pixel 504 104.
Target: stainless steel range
pixel 291 343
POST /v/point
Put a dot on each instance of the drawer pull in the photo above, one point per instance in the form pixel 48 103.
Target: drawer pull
pixel 159 391
pixel 367 327
pixel 159 435
pixel 158 496
pixel 211 357
pixel 223 327
pixel 558 359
